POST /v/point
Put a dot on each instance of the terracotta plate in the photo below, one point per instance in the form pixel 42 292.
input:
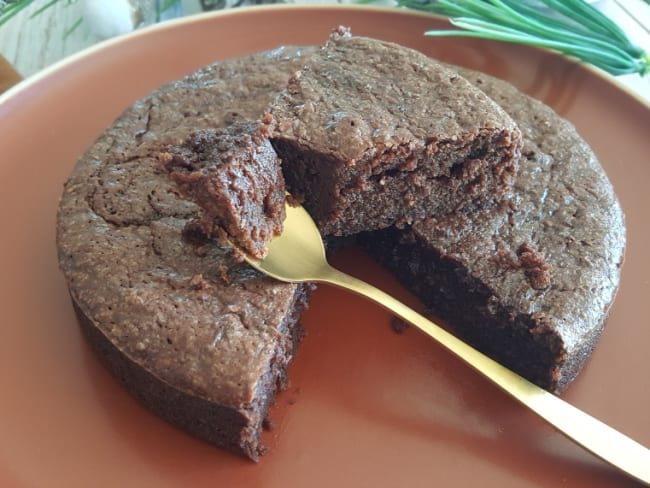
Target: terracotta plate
pixel 366 407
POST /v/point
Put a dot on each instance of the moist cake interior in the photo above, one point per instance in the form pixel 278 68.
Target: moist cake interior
pixel 366 155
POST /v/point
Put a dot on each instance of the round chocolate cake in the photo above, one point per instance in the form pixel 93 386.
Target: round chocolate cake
pixel 204 341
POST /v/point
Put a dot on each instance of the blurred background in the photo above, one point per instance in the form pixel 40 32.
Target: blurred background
pixel 46 31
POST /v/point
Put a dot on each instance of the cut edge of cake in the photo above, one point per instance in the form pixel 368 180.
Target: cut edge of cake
pixel 234 175
pixel 424 141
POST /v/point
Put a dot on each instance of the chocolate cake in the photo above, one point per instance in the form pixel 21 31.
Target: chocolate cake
pixel 528 281
pixel 372 134
pixel 200 338
pixel 204 341
pixel 234 175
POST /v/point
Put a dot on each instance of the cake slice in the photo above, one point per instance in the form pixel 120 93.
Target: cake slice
pixel 198 337
pixel 528 281
pixel 372 134
pixel 234 175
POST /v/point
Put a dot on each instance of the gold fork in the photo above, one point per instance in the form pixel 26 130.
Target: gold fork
pixel 298 255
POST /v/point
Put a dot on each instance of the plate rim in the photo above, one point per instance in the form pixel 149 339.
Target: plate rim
pixel 78 57
pixel 92 51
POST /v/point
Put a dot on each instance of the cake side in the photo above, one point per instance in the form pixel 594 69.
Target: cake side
pixel 190 330
pixel 372 134
pixel 236 429
pixel 529 281
pixel 234 175
pixel 578 229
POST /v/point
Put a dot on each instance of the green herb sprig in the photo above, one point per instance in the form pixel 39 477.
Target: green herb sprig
pixel 9 9
pixel 572 27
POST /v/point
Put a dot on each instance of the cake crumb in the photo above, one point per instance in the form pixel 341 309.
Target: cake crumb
pixel 164 157
pixel 341 31
pixel 537 271
pixel 398 325
pixel 223 274
pixel 236 255
pixel 293 395
pixel 267 424
pixel 198 282
pixel 295 200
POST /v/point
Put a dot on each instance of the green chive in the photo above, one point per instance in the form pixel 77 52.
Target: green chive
pixel 572 27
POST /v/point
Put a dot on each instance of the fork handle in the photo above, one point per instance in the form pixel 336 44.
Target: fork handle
pixel 597 437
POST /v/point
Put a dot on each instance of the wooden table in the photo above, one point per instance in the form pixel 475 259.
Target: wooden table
pixel 8 75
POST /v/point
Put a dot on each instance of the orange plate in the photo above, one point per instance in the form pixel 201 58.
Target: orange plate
pixel 366 407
